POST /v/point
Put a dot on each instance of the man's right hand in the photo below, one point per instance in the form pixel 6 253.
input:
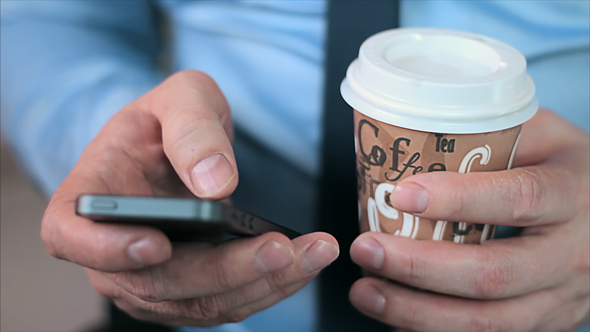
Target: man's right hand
pixel 175 140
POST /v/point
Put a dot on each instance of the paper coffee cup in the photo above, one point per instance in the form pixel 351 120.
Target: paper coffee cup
pixel 428 100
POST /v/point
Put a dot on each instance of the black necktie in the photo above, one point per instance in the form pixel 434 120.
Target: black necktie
pixel 349 24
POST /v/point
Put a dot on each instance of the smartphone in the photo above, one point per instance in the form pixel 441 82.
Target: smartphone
pixel 181 219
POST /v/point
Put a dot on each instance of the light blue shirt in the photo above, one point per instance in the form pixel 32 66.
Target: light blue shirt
pixel 68 66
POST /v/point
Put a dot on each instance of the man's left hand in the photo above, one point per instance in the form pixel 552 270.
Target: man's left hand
pixel 537 281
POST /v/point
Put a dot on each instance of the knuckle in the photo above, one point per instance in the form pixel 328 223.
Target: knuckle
pixel 48 230
pixel 185 127
pixel 226 275
pixel 158 283
pixel 171 311
pixel 105 291
pixel 47 241
pixel 103 287
pixel 160 314
pixel 237 315
pixel 146 285
pixel 457 198
pixel 205 308
pixel 135 284
pixel 145 292
pixel 408 315
pixel 493 278
pixel 581 261
pixel 413 267
pixel 581 313
pixel 276 283
pixel 527 196
pixel 483 323
pixel 130 309
pixel 207 118
pixel 102 250
pixel 153 308
pixel 277 279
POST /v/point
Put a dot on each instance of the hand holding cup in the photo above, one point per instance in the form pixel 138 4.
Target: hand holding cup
pixel 538 281
pixel 175 140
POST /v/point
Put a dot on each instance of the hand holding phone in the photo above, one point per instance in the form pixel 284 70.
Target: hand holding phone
pixel 143 150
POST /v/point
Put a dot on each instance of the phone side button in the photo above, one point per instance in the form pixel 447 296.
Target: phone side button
pixel 104 204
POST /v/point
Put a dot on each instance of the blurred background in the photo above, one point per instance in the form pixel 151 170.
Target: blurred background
pixel 38 292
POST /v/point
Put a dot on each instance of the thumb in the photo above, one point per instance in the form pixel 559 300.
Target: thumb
pixel 196 130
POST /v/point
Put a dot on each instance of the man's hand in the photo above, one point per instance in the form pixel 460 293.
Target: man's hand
pixel 175 140
pixel 539 281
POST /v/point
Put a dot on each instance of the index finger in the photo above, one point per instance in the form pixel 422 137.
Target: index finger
pixel 196 132
pixel 550 191
pixel 545 134
pixel 526 196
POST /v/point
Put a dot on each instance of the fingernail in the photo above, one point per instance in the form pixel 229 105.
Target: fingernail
pixel 318 256
pixel 272 257
pixel 148 252
pixel 368 253
pixel 369 299
pixel 211 174
pixel 410 197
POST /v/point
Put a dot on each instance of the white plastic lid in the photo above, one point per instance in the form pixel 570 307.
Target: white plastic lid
pixel 441 81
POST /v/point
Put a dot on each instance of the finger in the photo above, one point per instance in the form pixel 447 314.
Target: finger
pixel 496 269
pixel 99 246
pixel 193 111
pixel 103 285
pixel 229 266
pixel 238 304
pixel 519 197
pixel 168 313
pixel 314 254
pixel 545 134
pixel 197 312
pixel 423 311
pixel 569 317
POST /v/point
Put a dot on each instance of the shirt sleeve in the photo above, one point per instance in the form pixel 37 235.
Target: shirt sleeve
pixel 67 67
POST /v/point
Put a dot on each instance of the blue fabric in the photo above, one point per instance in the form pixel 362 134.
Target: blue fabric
pixel 67 66
pixel 554 36
pixel 267 58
